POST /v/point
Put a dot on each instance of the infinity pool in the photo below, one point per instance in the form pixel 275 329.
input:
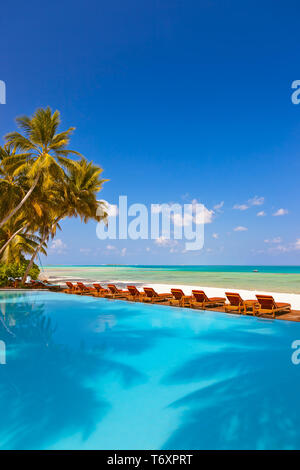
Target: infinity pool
pixel 85 373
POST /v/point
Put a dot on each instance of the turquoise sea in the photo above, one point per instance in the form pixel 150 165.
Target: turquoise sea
pixel 268 278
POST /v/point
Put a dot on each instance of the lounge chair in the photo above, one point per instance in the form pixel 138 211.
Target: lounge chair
pixel 48 285
pixel 200 300
pixel 116 293
pixel 14 282
pixel 236 303
pixel 179 298
pixel 99 290
pixel 267 305
pixel 152 296
pixel 135 294
pixel 37 284
pixel 83 289
pixel 71 288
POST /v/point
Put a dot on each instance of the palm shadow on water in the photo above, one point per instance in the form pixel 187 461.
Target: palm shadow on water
pixel 247 396
pixel 45 389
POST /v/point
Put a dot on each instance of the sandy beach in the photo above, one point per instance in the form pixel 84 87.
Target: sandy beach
pixel 293 299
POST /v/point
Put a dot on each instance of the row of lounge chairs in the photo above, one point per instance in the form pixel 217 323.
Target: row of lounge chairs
pixel 263 304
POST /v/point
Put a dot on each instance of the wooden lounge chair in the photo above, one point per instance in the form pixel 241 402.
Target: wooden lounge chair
pixel 267 305
pixel 200 300
pixel 83 289
pixel 179 298
pixel 135 294
pixel 71 288
pixel 37 284
pixel 99 290
pixel 116 293
pixel 152 296
pixel 237 304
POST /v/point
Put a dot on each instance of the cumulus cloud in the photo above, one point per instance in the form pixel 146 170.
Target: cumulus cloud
pixel 255 201
pixel 58 246
pixel 104 206
pixel 162 241
pixel 280 248
pixel 219 206
pixel 273 240
pixel 240 228
pixel 280 212
pixel 241 207
pixel 215 235
pixel 261 214
pixel 297 244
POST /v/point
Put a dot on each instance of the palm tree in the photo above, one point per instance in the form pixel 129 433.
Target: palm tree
pixel 73 196
pixel 17 241
pixel 43 152
pixel 11 185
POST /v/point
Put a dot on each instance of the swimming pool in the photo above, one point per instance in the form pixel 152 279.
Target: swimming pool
pixel 86 373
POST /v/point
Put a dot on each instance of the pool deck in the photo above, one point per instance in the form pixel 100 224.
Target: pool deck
pixel 294 315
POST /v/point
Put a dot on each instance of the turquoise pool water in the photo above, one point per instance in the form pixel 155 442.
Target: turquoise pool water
pixel 85 373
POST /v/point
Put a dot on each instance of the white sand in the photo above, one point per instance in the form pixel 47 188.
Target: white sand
pixel 293 299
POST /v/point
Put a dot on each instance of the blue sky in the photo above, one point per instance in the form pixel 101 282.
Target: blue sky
pixel 176 100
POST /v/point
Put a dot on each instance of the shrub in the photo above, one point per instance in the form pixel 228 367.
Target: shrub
pixel 16 270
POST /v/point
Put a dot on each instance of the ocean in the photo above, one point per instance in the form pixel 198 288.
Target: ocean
pixel 262 278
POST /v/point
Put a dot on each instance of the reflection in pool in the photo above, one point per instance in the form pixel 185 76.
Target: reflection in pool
pixel 85 373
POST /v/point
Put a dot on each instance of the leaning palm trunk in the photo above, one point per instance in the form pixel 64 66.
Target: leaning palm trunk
pixel 33 257
pixel 11 238
pixel 13 212
pixel 46 235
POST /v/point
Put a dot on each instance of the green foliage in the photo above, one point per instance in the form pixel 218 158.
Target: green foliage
pixel 40 185
pixel 16 271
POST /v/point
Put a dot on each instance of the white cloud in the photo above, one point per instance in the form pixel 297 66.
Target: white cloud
pixel 297 244
pixel 180 220
pixel 58 246
pixel 261 214
pixel 111 209
pixel 110 247
pixel 255 201
pixel 162 241
pixel 240 228
pixel 280 248
pixel 241 207
pixel 207 217
pixel 215 235
pixel 147 248
pixel 219 206
pixel 273 240
pixel 281 212
pixel 123 251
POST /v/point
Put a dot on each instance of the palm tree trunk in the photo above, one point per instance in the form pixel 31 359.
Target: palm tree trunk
pixel 11 238
pixel 33 258
pixel 35 182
